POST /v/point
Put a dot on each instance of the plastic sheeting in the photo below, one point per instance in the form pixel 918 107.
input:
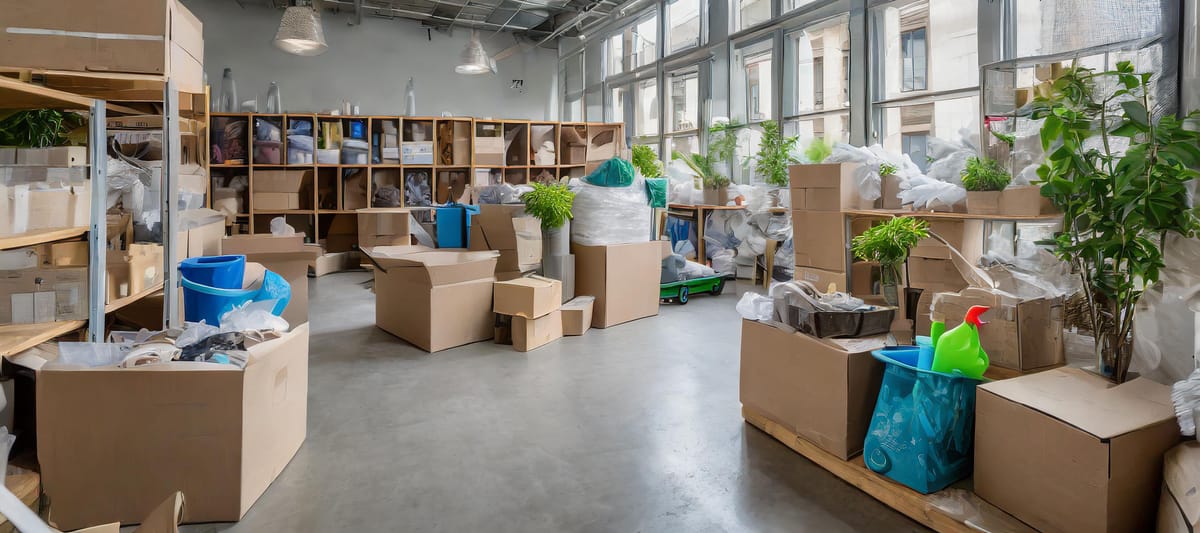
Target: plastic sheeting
pixel 869 159
pixel 1166 327
pixel 610 215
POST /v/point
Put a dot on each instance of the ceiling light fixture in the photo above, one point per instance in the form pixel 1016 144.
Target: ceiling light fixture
pixel 475 60
pixel 300 32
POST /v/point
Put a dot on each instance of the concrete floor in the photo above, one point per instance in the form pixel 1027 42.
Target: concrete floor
pixel 634 428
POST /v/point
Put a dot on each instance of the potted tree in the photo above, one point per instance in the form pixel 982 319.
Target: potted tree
pixel 889 244
pixel 551 203
pixel 889 185
pixel 1118 204
pixel 773 158
pixel 985 180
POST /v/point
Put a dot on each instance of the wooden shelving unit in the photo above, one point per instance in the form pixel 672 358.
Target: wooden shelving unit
pixel 463 154
pixel 16 338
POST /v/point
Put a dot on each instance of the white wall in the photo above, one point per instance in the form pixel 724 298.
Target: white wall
pixel 370 65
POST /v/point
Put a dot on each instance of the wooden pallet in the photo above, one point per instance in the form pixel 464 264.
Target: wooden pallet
pixel 917 506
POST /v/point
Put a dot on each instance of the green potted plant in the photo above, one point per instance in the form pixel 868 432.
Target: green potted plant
pixel 722 144
pixel 551 203
pixel 889 185
pixel 889 244
pixel 646 161
pixel 38 128
pixel 818 150
pixel 1118 204
pixel 774 157
pixel 984 179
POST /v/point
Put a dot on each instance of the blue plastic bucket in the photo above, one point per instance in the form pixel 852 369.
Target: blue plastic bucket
pixel 220 271
pixel 923 428
pixel 202 302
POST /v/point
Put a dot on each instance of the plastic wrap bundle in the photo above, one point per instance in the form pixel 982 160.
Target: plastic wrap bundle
pixel 869 159
pixel 1166 327
pixel 785 261
pixel 672 268
pixel 610 215
pixel 724 262
pixel 719 231
pixel 503 193
pixel 682 184
pixel 924 192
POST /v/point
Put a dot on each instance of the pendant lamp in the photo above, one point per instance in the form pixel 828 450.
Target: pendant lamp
pixel 300 32
pixel 475 60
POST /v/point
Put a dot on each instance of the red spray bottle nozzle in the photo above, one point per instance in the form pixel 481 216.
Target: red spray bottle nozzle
pixel 973 315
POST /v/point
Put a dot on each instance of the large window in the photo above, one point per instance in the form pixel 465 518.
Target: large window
pixel 913 50
pixel 615 110
pixel 748 13
pixel 753 86
pixel 646 108
pixel 817 82
pixel 614 54
pixel 571 75
pixel 644 42
pixel 789 5
pixel 683 88
pixel 683 25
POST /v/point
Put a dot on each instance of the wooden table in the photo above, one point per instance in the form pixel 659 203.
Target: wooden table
pixel 697 214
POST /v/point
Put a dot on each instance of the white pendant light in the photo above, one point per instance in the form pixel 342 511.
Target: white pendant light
pixel 300 32
pixel 475 60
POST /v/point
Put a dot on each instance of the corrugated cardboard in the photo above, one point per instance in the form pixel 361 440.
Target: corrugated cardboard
pixel 56 156
pixel 434 299
pixel 1025 201
pixel 115 36
pixel 821 389
pixel 1066 450
pixel 1179 504
pixel 328 263
pixel 577 315
pixel 206 229
pixel 624 278
pixel 819 238
pixel 517 237
pixel 37 295
pixel 163 519
pixel 279 181
pixel 825 187
pixel 890 193
pixel 528 297
pixel 925 272
pixel 384 226
pixel 821 279
pixel 287 256
pixel 966 236
pixel 215 432
pixel 528 334
pixel 134 270
pixel 343 234
pixel 925 305
pixel 8 155
pixel 275 201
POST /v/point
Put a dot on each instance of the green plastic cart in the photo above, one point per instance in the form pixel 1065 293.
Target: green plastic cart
pixel 681 291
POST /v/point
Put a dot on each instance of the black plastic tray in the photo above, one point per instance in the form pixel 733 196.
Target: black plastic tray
pixel 850 324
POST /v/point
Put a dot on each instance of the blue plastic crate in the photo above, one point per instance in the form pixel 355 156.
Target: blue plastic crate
pixel 454 225
pixel 922 432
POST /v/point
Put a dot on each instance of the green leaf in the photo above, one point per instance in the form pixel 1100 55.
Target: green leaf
pixel 1051 131
pixel 1136 113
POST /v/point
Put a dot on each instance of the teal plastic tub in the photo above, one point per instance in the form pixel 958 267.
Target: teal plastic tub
pixel 923 428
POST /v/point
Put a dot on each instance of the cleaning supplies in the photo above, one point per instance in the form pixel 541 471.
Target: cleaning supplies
pixel 959 350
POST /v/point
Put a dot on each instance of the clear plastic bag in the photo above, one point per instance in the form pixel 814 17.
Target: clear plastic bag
pixel 925 192
pixel 724 262
pixel 610 215
pixel 1185 394
pixel 253 316
pixel 91 354
pixel 280 227
pixel 754 306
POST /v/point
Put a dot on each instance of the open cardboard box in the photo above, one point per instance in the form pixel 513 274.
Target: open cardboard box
pixel 163 519
pixel 1179 504
pixel 287 256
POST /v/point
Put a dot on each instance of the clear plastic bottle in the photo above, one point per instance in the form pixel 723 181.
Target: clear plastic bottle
pixel 229 102
pixel 273 103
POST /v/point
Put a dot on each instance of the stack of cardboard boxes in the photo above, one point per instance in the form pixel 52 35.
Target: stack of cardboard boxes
pixel 530 307
pixel 518 238
pixel 820 195
pixel 52 192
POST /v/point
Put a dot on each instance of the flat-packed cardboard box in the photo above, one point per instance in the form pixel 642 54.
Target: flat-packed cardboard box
pixel 530 333
pixel 577 315
pixel 528 297
pixel 111 36
pixel 826 187
pixel 217 433
pixel 287 256
pixel 1179 504
pixel 434 299
pixel 819 238
pixel 56 156
pixel 36 295
pixel 562 268
pixel 384 226
pixel 1066 450
pixel 823 390
pixel 624 278
pixel 133 271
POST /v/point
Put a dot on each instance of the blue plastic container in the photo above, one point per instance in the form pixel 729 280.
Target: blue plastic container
pixel 924 424
pixel 454 225
pixel 207 303
pixel 220 271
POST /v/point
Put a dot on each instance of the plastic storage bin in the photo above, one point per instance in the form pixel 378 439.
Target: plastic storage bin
pixel 220 271
pixel 922 432
pixel 208 303
pixel 454 225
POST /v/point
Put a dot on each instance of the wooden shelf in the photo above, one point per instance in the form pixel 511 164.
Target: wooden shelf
pixel 20 95
pixel 284 211
pixel 16 338
pixel 226 165
pixel 952 216
pixel 41 236
pixel 707 207
pixel 26 485
pixel 122 302
pixel 921 508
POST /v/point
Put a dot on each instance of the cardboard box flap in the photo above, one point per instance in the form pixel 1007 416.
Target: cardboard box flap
pixel 387 256
pixel 1096 406
pixel 165 518
pixel 1181 473
pixel 264 244
pixel 533 281
pixel 444 268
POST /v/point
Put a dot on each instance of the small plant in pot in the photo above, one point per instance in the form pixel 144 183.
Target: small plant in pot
pixel 774 157
pixel 1121 180
pixel 551 203
pixel 646 161
pixel 38 128
pixel 889 244
pixel 984 179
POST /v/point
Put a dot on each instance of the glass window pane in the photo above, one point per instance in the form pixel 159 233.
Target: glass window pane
pixel 616 104
pixel 614 52
pixel 683 25
pixel 749 13
pixel 686 144
pixel 927 45
pixel 753 88
pixel 833 127
pixel 907 128
pixel 818 71
pixel 644 39
pixel 573 110
pixel 594 100
pixel 789 5
pixel 646 108
pixel 573 73
pixel 683 93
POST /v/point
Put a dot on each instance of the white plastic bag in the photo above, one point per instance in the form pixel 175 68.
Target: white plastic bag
pixel 610 215
pixel 924 192
pixel 253 316
pixel 280 227
pixel 754 306
pixel 1185 395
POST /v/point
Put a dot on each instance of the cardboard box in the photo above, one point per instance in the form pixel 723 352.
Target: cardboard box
pixel 1021 334
pixel 163 519
pixel 287 256
pixel 529 297
pixel 562 268
pixel 434 299
pixel 966 236
pixel 36 295
pixel 384 226
pixel 57 156
pixel 8 155
pixel 1179 504
pixel 890 193
pixel 110 36
pixel 328 263
pixel 821 279
pixel 517 237
pixel 925 305
pixel 1066 450
pixel 201 233
pixel 819 238
pixel 528 334
pixel 925 272
pixel 343 234
pixel 133 271
pixel 277 181
pixel 821 389
pixel 826 187
pixel 863 279
pixel 577 315
pixel 217 433
pixel 624 278
pixel 275 201
pixel 24 208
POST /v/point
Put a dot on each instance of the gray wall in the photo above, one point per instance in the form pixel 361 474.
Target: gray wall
pixel 370 65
